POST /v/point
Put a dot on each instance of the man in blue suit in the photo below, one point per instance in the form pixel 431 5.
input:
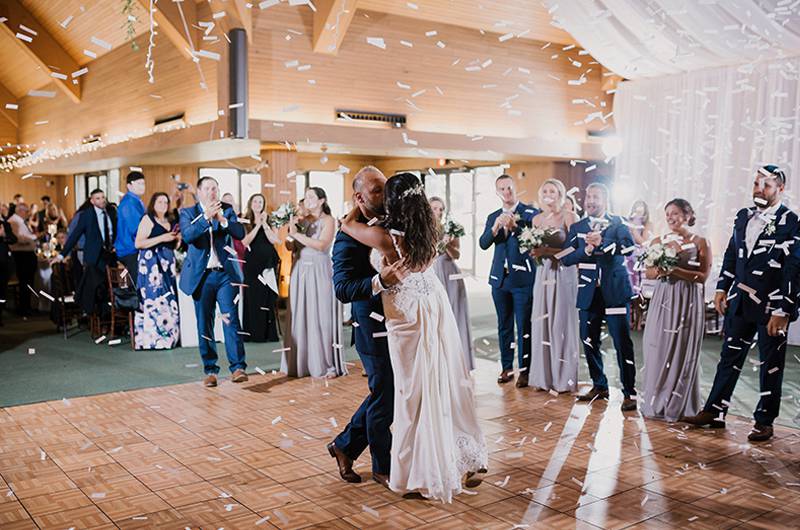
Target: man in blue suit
pixel 597 244
pixel 511 277
pixel 207 276
pixel 756 293
pixel 358 283
pixel 97 226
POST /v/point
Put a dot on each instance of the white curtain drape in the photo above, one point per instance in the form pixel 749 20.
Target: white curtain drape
pixel 650 38
pixel 702 136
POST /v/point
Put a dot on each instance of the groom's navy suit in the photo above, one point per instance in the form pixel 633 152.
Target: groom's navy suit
pixel 758 282
pixel 511 277
pixel 369 426
pixel 604 292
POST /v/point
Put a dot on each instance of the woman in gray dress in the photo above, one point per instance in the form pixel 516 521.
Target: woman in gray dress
pixel 313 344
pixel 673 332
pixel 450 275
pixel 555 350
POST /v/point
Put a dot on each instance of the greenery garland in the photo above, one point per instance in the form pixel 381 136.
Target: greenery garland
pixel 128 10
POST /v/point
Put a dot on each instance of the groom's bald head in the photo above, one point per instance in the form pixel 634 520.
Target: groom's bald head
pixel 368 186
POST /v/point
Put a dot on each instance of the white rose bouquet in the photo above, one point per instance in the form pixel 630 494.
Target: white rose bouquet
pixel 531 237
pixel 664 257
pixel 282 215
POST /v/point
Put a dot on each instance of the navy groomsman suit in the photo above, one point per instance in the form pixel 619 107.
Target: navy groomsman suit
pixel 604 292
pixel 511 277
pixel 759 281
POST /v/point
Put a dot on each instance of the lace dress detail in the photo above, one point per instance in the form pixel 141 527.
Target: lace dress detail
pixel 436 437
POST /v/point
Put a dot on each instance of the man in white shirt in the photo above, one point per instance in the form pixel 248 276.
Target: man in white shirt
pixel 24 252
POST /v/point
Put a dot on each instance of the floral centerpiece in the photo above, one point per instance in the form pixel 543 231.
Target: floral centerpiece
pixel 282 215
pixel 532 237
pixel 660 256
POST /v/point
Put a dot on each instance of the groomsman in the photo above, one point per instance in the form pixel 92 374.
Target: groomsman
pixel 511 277
pixel 597 245
pixel 756 293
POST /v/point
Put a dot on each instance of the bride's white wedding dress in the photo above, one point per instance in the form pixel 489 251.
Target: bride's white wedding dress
pixel 436 438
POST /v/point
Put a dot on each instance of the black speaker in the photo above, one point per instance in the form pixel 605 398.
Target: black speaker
pixel 237 64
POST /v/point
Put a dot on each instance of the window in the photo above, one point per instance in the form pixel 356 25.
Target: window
pixel 107 181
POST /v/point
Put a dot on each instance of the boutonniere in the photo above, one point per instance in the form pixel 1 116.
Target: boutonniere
pixel 770 228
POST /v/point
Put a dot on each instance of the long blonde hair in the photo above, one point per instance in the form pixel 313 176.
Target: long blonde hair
pixel 562 191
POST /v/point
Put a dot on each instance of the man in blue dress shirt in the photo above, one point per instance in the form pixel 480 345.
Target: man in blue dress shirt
pixel 129 215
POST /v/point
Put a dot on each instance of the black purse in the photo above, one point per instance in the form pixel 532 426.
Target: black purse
pixel 126 299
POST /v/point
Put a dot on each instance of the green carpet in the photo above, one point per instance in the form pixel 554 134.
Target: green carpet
pixel 60 368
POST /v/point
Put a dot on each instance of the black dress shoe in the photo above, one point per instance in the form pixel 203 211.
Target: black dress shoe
pixel 475 478
pixel 522 380
pixel 628 404
pixel 505 377
pixel 344 463
pixel 760 433
pixel 381 479
pixel 703 419
pixel 594 393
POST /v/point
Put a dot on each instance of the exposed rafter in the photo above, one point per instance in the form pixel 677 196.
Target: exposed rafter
pixel 170 23
pixel 40 46
pixel 237 15
pixel 331 21
pixel 7 98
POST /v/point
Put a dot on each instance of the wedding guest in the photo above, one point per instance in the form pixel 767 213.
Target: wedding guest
pixel 757 294
pixel 18 198
pixel 24 253
pixel 313 340
pixel 129 215
pixel 97 225
pixel 7 238
pixel 53 217
pixel 599 243
pixel 554 319
pixel 641 229
pixel 157 323
pixel 445 267
pixel 208 274
pixel 674 332
pixel 261 269
pixel 511 276
pixel 41 215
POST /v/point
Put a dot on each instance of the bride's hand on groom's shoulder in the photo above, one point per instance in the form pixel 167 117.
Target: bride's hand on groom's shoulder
pixel 393 273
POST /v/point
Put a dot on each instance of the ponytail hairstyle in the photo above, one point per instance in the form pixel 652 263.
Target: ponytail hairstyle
pixel 321 195
pixel 409 212
pixel 684 206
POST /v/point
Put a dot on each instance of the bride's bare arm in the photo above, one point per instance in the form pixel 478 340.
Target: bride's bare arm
pixel 372 236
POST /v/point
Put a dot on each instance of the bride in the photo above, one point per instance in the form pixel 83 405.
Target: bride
pixel 436 439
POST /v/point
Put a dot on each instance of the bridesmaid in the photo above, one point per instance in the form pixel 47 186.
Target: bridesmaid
pixel 674 330
pixel 260 261
pixel 313 344
pixel 642 231
pixel 157 323
pixel 554 320
pixel 444 266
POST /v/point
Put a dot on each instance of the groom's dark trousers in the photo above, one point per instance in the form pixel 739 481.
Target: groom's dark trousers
pixel 369 426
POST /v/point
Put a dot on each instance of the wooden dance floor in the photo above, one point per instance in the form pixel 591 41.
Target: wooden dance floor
pixel 253 456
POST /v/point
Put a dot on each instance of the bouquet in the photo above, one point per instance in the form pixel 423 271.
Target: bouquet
pixel 660 256
pixel 532 237
pixel 282 215
pixel 450 228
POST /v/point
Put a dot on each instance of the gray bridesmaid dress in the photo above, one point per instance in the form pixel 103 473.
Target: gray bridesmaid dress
pixel 313 343
pixel 456 290
pixel 672 338
pixel 555 337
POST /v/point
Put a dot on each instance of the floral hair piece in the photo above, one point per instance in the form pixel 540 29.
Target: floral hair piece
pixel 419 189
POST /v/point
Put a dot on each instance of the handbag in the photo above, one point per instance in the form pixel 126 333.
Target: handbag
pixel 126 299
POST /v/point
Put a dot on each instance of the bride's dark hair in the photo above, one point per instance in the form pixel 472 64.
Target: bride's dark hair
pixel 408 211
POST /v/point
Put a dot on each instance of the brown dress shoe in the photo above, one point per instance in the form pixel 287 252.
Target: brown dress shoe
pixel 383 480
pixel 344 463
pixel 505 377
pixel 702 419
pixel 210 381
pixel 628 404
pixel 594 393
pixel 760 433
pixel 239 376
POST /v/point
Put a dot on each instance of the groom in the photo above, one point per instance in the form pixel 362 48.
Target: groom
pixel 356 282
pixel 597 245
pixel 755 295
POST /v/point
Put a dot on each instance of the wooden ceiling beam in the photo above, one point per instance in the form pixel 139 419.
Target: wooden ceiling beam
pixel 7 98
pixel 37 43
pixel 237 15
pixel 331 20
pixel 170 23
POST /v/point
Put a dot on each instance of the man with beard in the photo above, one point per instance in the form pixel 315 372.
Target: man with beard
pixel 357 282
pixel 756 293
